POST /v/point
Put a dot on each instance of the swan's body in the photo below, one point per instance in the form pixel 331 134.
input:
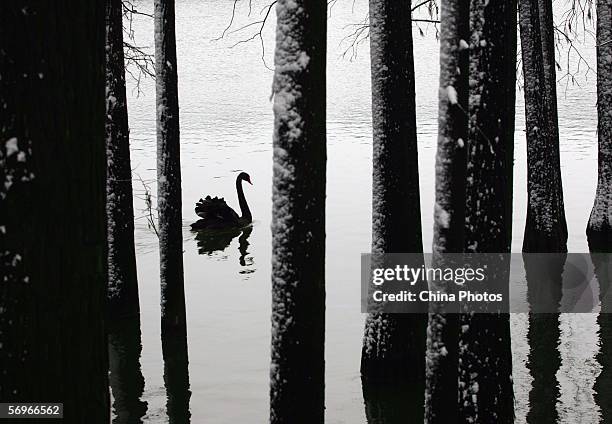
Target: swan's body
pixel 215 214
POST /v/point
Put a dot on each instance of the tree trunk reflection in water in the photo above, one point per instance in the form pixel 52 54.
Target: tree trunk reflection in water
pixel 126 379
pixel 176 376
pixel 393 403
pixel 544 283
pixel 603 383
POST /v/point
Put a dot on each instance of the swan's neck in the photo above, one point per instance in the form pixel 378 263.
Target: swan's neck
pixel 244 207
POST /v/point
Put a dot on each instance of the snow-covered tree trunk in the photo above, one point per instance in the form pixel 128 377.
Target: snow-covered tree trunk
pixel 449 210
pixel 122 281
pixel 546 228
pixel 169 199
pixel 298 214
pixel 547 34
pixel 394 344
pixel 485 360
pixel 599 229
pixel 52 207
pixel 169 208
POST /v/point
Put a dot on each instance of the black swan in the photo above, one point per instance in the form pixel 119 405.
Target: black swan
pixel 215 214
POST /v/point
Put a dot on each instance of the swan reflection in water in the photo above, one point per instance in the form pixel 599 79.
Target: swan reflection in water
pixel 211 241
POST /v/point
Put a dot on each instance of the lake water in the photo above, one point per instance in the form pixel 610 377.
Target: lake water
pixel 226 126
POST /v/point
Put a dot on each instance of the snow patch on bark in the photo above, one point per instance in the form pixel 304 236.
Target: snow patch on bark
pixel 441 216
pixel 452 95
pixel 13 157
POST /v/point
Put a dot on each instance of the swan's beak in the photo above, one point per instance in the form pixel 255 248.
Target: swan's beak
pixel 249 181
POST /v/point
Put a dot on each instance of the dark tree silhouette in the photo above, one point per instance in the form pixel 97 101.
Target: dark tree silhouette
pixel 52 207
pixel 546 228
pixel 485 361
pixel 394 344
pixel 169 207
pixel 449 211
pixel 298 214
pixel 599 229
pixel 169 169
pixel 122 280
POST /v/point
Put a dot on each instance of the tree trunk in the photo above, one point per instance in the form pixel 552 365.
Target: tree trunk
pixel 449 210
pixel 298 214
pixel 169 208
pixel 599 229
pixel 394 344
pixel 546 228
pixel 485 360
pixel 52 213
pixel 547 34
pixel 122 281
pixel 169 201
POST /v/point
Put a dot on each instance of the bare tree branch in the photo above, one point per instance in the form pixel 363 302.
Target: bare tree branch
pixel 139 62
pixel 259 25
pixel 572 30
pixel 361 30
pixel 358 36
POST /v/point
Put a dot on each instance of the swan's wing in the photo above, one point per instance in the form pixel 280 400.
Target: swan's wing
pixel 215 209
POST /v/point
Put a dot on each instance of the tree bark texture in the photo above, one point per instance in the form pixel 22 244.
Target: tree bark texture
pixel 52 207
pixel 169 208
pixel 546 228
pixel 599 229
pixel 122 280
pixel 485 360
pixel 394 344
pixel 298 214
pixel 169 199
pixel 449 210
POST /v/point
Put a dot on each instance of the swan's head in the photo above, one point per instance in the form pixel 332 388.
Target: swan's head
pixel 245 177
